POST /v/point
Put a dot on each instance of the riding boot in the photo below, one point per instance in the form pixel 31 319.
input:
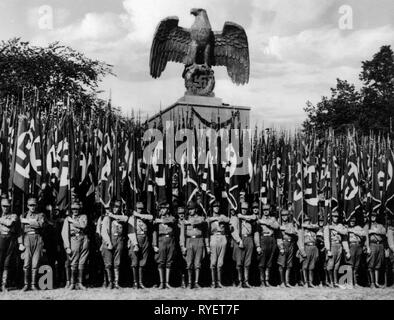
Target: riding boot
pixel 116 278
pixel 246 277
pixel 262 277
pixel 68 277
pixel 5 278
pixel 282 277
pixel 26 275
pixel 330 278
pixel 108 272
pixel 219 278
pixel 168 274
pixel 305 274
pixel 141 278
pixel 267 277
pixel 34 279
pixel 80 279
pixel 190 280
pixel 372 278
pixel 377 279
pixel 336 279
pixel 310 282
pixel 213 278
pixel 287 278
pixel 73 279
pixel 162 279
pixel 196 281
pixel 135 277
pixel 240 276
pixel 184 279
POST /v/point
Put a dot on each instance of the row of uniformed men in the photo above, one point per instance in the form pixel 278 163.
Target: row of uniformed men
pixel 197 236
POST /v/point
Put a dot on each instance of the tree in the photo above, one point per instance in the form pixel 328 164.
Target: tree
pixel 48 74
pixel 370 108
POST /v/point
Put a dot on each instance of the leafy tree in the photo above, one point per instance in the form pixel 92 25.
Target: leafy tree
pixel 371 108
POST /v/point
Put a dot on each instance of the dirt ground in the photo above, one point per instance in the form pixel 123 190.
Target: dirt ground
pixel 229 293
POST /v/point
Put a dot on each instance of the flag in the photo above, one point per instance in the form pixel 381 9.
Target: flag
pixel 389 194
pixel 21 174
pixel 36 152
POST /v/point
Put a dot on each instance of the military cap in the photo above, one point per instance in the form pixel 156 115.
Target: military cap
pixel 5 202
pixel 118 203
pixel 255 204
pixel 284 212
pixel 75 205
pixel 140 205
pixel 266 206
pixel 31 201
pixel 374 213
pixel 216 204
pixel 244 205
pixel 191 205
pixel 181 209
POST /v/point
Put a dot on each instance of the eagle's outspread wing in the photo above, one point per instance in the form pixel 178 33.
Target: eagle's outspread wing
pixel 170 43
pixel 231 50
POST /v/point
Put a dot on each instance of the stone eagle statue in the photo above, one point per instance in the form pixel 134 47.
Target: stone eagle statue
pixel 200 46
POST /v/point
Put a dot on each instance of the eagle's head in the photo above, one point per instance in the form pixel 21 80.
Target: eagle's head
pixel 196 11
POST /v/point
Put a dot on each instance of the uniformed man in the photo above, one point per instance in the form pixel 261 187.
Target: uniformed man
pixel 31 243
pixel 308 250
pixel 113 235
pixel 266 244
pixel 243 229
pixel 140 226
pixel 99 244
pixel 286 244
pixel 335 242
pixel 356 236
pixel 321 264
pixel 375 249
pixel 390 242
pixel 194 243
pixel 76 244
pixel 9 229
pixel 182 258
pixel 218 231
pixel 164 243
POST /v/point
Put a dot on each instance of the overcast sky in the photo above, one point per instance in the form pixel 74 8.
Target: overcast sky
pixel 297 48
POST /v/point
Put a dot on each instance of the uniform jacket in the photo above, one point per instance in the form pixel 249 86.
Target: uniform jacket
pixel 165 225
pixel 138 224
pixel 336 233
pixel 9 224
pixel 195 226
pixel 376 232
pixel 307 234
pixel 390 238
pixel 288 232
pixel 37 223
pixel 356 234
pixel 244 227
pixel 70 228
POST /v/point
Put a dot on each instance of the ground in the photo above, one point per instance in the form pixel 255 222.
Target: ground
pixel 229 293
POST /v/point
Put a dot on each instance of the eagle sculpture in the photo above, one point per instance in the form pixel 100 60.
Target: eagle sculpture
pixel 200 46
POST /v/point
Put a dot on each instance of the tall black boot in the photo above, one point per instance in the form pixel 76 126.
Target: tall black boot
pixel 246 277
pixel 68 277
pixel 305 274
pixel 73 279
pixel 34 279
pixel 282 277
pixel 4 280
pixel 336 279
pixel 26 274
pixel 105 279
pixel 377 279
pixel 135 277
pixel 392 279
pixel 287 278
pixel 168 274
pixel 162 279
pixel 372 278
pixel 197 279
pixel 310 282
pixel 141 277
pixel 355 279
pixel 240 277
pixel 262 277
pixel 330 274
pixel 190 274
pixel 213 278
pixel 108 273
pixel 267 277
pixel 219 279
pixel 116 279
pixel 80 279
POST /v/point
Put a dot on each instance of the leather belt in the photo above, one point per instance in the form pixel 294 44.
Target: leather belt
pixel 116 234
pixel 376 241
pixel 354 242
pixel 195 237
pixel 4 233
pixel 246 236
pixel 266 234
pixel 77 234
pixel 165 235
pixel 141 234
pixel 218 234
pixel 287 240
pixel 310 244
pixel 31 232
pixel 335 242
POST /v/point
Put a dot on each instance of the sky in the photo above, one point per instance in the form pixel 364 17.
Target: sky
pixel 297 48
